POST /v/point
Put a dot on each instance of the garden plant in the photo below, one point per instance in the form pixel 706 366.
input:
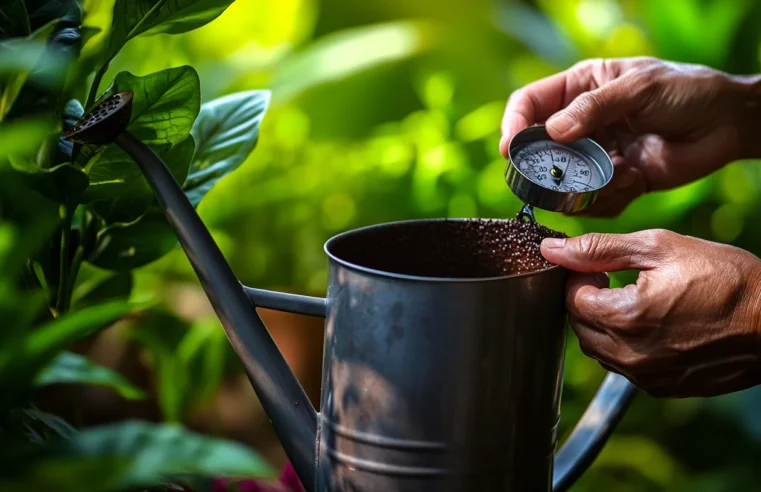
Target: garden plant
pixel 75 220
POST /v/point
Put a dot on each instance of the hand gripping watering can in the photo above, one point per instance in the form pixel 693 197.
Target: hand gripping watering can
pixel 430 383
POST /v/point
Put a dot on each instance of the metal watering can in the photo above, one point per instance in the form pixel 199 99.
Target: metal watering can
pixel 429 382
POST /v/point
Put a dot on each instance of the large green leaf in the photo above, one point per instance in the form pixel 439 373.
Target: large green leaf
pixel 69 367
pixel 226 131
pixel 24 357
pixel 119 192
pixel 22 137
pixel 135 17
pixel 63 184
pixel 156 453
pixel 126 246
pixel 164 106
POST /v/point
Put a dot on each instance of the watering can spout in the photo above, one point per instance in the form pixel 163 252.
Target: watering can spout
pixel 282 397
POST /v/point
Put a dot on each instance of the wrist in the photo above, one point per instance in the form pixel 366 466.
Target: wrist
pixel 746 103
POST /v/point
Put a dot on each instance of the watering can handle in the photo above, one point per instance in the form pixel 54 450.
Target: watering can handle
pixel 592 431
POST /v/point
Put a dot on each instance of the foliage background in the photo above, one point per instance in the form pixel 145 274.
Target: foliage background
pixel 390 110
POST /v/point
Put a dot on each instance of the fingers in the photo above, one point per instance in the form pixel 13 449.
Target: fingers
pixel 611 97
pixel 593 110
pixel 534 103
pixel 596 252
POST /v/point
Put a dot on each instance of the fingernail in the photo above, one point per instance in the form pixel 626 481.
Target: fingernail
pixel 554 242
pixel 561 123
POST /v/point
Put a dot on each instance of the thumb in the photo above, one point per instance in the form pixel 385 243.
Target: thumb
pixel 596 252
pixel 593 110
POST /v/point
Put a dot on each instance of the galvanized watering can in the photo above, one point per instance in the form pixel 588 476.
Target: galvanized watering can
pixel 430 382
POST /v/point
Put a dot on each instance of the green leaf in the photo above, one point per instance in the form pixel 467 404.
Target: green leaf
pixel 43 425
pixel 69 367
pixel 202 356
pixel 226 131
pixel 119 192
pixel 14 21
pixel 63 184
pixel 161 332
pixel 42 94
pixel 189 361
pixel 164 106
pixel 107 286
pixel 28 221
pixel 155 453
pixel 127 246
pixel 24 357
pixel 22 58
pixel 93 474
pixel 135 17
pixel 22 137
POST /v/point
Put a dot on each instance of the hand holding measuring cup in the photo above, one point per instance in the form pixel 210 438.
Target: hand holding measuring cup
pixel 664 124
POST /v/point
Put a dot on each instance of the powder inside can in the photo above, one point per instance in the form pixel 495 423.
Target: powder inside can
pixel 470 248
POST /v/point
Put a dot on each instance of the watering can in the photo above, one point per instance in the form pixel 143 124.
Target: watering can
pixel 430 382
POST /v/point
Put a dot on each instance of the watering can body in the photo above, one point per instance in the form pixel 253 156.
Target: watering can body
pixel 440 384
pixel 429 383
pixel 443 384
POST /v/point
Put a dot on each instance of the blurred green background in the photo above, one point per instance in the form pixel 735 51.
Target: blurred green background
pixel 390 110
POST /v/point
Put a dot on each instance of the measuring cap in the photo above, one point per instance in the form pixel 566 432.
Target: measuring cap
pixel 560 177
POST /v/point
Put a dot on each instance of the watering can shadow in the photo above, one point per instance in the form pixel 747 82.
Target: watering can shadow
pixel 430 382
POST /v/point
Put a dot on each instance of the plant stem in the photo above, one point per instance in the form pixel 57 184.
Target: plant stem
pixel 96 84
pixel 62 303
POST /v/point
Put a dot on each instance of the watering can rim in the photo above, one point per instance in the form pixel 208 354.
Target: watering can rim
pixel 419 278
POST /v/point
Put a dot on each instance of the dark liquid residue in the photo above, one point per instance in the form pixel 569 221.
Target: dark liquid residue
pixel 473 248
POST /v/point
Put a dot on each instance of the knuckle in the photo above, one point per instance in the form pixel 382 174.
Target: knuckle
pixel 633 362
pixel 646 61
pixel 586 65
pixel 657 239
pixel 592 103
pixel 591 245
pixel 587 347
pixel 629 312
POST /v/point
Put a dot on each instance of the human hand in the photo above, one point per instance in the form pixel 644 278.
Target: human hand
pixel 688 327
pixel 664 124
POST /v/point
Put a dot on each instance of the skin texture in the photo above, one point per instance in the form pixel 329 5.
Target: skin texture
pixel 663 124
pixel 691 324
